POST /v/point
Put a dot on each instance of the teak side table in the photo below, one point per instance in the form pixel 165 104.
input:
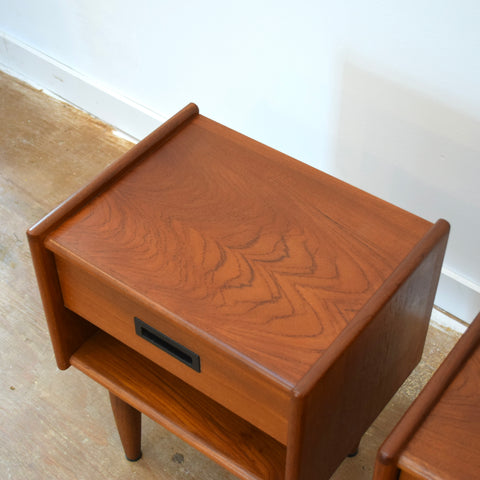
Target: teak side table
pixel 439 435
pixel 263 311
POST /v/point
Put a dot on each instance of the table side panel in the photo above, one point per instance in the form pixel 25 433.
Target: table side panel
pixel 222 377
pixel 357 385
pixel 67 330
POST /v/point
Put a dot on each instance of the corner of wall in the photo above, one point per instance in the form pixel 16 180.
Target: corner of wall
pixel 456 295
pixel 53 77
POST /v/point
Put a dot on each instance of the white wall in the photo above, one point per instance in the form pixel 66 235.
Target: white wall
pixel 383 94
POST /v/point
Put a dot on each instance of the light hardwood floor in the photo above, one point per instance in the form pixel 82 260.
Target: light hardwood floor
pixel 58 425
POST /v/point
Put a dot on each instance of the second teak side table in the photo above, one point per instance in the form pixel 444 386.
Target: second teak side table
pixel 263 311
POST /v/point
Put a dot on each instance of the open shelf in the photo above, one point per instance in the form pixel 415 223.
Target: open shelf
pixel 231 441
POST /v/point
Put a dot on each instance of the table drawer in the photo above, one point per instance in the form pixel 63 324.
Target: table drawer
pixel 193 357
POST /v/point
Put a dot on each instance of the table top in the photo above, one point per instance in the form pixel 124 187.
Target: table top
pixel 264 254
pixel 447 444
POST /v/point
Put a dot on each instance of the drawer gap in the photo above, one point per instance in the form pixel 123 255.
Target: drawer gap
pixel 228 439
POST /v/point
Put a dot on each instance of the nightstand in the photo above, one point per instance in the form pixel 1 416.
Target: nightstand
pixel 263 311
pixel 439 435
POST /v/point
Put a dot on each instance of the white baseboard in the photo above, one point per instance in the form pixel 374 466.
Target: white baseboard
pixel 458 296
pixel 455 295
pixel 443 322
pixel 45 73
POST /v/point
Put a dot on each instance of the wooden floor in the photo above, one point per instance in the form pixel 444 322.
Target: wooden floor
pixel 58 425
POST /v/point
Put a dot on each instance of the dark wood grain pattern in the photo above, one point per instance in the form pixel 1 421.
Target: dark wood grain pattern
pixel 306 299
pixel 268 256
pixel 68 331
pixel 338 399
pixel 439 436
pixel 225 378
pixel 447 445
pixel 229 440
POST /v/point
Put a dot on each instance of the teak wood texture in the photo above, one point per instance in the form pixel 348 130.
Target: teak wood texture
pixel 180 408
pixel 305 299
pixel 439 436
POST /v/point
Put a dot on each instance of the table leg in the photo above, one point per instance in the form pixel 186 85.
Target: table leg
pixel 354 451
pixel 129 426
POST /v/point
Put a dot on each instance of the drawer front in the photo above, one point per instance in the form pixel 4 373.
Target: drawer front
pixel 180 350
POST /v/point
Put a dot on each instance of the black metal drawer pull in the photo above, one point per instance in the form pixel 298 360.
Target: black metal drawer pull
pixel 166 344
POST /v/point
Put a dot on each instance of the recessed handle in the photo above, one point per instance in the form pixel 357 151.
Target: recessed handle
pixel 168 345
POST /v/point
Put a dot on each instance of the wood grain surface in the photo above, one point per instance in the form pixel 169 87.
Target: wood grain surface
pixel 67 330
pixel 296 278
pixel 447 444
pixel 214 430
pixel 56 424
pixel 259 399
pixel 439 436
pixel 335 404
pixel 268 256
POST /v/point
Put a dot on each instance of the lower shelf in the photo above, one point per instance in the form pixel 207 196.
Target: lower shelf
pixel 221 435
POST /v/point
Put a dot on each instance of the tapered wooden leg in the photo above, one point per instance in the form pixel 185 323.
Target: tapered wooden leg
pixel 354 451
pixel 129 426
